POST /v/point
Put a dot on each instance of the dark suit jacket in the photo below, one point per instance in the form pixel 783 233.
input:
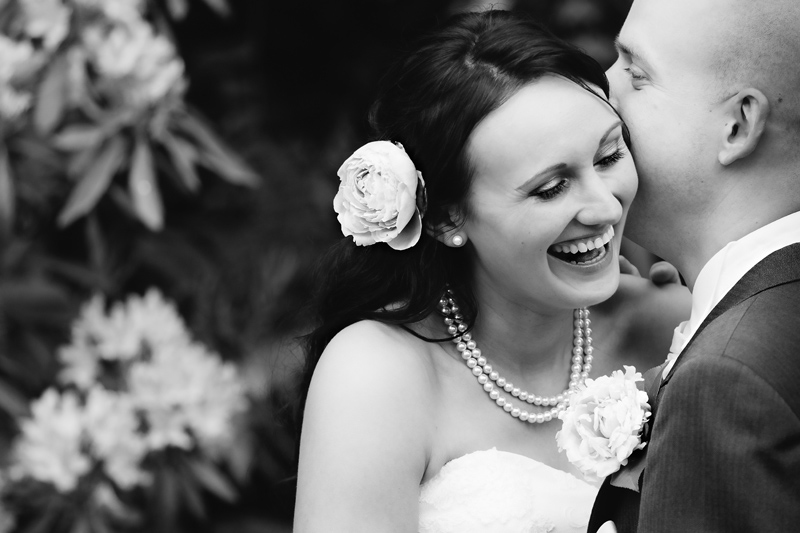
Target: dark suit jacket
pixel 724 449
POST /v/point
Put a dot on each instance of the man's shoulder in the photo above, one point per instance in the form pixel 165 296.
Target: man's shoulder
pixel 760 336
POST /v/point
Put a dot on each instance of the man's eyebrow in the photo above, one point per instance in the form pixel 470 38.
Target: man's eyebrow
pixel 627 50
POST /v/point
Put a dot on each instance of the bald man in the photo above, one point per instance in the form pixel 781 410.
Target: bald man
pixel 710 90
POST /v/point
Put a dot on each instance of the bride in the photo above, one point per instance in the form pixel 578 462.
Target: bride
pixel 481 282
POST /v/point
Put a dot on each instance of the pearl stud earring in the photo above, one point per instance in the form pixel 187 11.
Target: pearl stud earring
pixel 458 240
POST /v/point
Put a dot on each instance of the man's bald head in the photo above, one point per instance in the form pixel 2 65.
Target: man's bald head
pixel 709 91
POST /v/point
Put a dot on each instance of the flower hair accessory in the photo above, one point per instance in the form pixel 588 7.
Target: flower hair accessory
pixel 381 196
pixel 603 424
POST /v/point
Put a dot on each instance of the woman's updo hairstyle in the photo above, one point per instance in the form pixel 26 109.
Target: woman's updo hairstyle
pixel 431 101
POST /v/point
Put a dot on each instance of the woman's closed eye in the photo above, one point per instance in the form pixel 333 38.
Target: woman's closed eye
pixel 612 159
pixel 551 189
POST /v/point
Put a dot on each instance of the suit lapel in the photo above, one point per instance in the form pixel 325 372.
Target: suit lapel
pixel 782 266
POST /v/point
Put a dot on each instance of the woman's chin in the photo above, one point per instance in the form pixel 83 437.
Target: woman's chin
pixel 588 284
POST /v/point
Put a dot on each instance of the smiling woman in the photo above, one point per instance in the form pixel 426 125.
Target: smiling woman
pixel 524 182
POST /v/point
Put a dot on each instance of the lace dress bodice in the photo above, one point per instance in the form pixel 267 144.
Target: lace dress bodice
pixel 494 491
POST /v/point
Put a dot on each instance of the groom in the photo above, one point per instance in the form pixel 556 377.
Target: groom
pixel 710 90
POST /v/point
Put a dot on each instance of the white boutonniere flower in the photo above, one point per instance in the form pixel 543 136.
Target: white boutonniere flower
pixel 603 424
pixel 381 196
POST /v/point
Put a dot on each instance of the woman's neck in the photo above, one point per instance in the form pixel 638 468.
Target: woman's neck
pixel 524 342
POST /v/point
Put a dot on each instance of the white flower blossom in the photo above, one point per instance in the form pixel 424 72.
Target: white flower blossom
pixel 15 59
pixel 51 447
pixel 47 20
pixel 603 423
pixel 112 427
pixel 144 64
pixel 184 392
pixel 120 11
pixel 378 198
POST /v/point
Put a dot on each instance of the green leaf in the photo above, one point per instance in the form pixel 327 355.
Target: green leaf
pixel 220 6
pixel 209 476
pixel 215 155
pixel 51 97
pixel 178 9
pixel 79 137
pixel 143 187
pixel 184 157
pixel 94 183
pixel 192 497
pixel 12 401
pixel 7 194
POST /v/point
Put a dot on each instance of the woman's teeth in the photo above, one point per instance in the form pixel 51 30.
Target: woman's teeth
pixel 579 251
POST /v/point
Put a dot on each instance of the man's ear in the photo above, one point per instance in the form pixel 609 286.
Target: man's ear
pixel 444 232
pixel 746 114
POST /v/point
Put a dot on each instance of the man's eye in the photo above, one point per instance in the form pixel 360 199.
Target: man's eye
pixel 635 75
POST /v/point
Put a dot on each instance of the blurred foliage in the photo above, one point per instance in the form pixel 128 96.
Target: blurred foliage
pixel 288 85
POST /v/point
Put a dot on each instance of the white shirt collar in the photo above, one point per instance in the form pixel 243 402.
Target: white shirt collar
pixel 727 267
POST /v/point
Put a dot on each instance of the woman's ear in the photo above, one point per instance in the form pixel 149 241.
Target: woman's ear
pixel 450 233
pixel 746 118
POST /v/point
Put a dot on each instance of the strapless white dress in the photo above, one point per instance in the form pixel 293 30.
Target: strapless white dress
pixel 494 491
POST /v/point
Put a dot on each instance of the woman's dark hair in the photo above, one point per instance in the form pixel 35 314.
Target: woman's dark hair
pixel 431 101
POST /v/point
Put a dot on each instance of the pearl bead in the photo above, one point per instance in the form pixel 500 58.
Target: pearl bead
pixel 491 380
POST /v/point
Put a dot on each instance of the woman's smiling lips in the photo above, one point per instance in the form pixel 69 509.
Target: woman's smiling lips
pixel 585 251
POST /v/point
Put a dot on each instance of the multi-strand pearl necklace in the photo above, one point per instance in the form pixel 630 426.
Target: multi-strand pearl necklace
pixel 493 383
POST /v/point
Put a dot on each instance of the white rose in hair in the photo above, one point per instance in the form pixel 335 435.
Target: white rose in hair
pixel 377 198
pixel 602 425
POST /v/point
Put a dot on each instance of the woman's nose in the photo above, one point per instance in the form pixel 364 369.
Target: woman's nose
pixel 600 204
